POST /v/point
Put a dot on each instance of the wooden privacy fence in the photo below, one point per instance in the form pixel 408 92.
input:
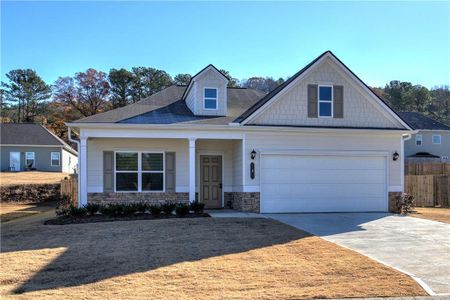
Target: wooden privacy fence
pixel 69 188
pixel 429 183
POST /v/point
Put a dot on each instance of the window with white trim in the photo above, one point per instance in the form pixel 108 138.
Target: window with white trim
pixel 55 158
pixel 325 102
pixel 210 98
pixel 29 160
pixel 139 171
pixel 419 140
pixel 436 139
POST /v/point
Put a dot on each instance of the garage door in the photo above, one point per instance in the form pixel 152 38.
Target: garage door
pixel 342 183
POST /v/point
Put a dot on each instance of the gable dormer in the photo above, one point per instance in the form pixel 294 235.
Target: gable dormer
pixel 206 93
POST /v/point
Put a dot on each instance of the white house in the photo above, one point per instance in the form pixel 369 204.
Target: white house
pixel 320 142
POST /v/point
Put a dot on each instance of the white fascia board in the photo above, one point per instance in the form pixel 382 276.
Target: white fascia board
pixel 22 145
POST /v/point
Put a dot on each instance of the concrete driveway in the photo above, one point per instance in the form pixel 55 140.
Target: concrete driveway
pixel 420 248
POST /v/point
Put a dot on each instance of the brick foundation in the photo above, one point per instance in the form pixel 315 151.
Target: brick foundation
pixel 156 198
pixel 392 201
pixel 242 201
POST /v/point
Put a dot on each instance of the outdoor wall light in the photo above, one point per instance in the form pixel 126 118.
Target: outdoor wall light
pixel 253 154
pixel 395 156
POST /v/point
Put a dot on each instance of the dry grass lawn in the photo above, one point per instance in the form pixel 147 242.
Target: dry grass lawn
pixel 204 258
pixel 441 214
pixel 11 211
pixel 30 177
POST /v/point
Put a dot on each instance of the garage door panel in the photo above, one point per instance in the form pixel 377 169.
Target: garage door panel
pixel 294 191
pixel 299 183
pixel 318 176
pixel 327 162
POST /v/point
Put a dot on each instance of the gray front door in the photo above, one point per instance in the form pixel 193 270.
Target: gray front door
pixel 211 180
pixel 14 161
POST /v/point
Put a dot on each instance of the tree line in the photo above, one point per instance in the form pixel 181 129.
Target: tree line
pixel 26 97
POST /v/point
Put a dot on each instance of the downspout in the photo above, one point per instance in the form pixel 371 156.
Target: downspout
pixel 69 135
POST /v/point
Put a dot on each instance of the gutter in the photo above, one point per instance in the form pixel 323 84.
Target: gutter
pixel 69 135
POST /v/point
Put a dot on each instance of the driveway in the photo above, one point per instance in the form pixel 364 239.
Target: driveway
pixel 420 248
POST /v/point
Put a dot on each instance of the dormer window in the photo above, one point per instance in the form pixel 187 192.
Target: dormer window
pixel 325 101
pixel 210 98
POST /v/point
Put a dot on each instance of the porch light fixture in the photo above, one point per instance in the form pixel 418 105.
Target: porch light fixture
pixel 253 154
pixel 395 156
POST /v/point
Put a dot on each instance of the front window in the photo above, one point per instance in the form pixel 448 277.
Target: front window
pixel 436 139
pixel 55 158
pixel 325 101
pixel 210 98
pixel 419 140
pixel 139 171
pixel 29 160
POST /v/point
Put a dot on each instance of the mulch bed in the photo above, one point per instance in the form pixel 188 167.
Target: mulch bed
pixel 66 220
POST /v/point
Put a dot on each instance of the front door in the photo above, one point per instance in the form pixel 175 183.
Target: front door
pixel 14 161
pixel 211 180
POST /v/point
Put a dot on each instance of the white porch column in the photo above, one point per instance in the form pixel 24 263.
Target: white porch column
pixel 83 172
pixel 191 169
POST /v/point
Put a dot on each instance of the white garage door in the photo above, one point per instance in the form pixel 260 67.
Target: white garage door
pixel 344 183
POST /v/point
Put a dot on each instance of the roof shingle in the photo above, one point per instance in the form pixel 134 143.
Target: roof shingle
pixel 419 121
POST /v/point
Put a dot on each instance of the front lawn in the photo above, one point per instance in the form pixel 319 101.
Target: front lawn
pixel 30 177
pixel 12 211
pixel 204 258
pixel 441 214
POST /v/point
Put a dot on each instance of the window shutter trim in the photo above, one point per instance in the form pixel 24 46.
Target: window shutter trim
pixel 108 171
pixel 170 172
pixel 312 100
pixel 338 101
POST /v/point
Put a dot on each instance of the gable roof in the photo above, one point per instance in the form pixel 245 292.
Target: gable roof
pixel 419 121
pixel 252 110
pixel 168 107
pixel 210 66
pixel 30 134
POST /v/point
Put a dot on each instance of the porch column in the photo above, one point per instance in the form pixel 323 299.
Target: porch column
pixel 191 169
pixel 83 172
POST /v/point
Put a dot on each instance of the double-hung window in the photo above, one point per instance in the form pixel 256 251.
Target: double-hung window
pixel 419 140
pixel 325 101
pixel 436 139
pixel 29 160
pixel 210 98
pixel 139 171
pixel 55 158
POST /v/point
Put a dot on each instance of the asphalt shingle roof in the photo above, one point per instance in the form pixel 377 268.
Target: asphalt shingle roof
pixel 26 134
pixel 167 107
pixel 29 134
pixel 419 121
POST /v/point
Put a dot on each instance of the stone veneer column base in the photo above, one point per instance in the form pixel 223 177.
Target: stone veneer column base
pixel 151 198
pixel 392 201
pixel 242 201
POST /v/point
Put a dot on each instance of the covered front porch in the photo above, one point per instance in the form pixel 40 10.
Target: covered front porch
pixel 161 169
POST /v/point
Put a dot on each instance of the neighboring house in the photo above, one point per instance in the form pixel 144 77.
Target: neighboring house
pixel 33 147
pixel 433 137
pixel 320 142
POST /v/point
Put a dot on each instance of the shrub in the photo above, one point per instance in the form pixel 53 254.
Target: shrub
pixel 129 209
pixel 405 203
pixel 141 207
pixel 92 208
pixel 168 207
pixel 197 207
pixel 155 209
pixel 181 209
pixel 76 212
pixel 112 209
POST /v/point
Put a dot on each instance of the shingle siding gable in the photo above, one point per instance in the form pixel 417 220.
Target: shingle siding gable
pixel 291 108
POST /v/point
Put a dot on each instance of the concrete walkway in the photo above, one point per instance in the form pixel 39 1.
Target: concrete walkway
pixel 229 213
pixel 417 247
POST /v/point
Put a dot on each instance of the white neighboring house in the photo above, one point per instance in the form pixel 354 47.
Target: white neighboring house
pixel 26 146
pixel 320 142
pixel 432 140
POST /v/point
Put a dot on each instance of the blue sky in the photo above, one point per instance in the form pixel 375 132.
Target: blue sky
pixel 379 41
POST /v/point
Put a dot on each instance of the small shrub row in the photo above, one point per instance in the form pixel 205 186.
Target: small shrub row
pixel 116 210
